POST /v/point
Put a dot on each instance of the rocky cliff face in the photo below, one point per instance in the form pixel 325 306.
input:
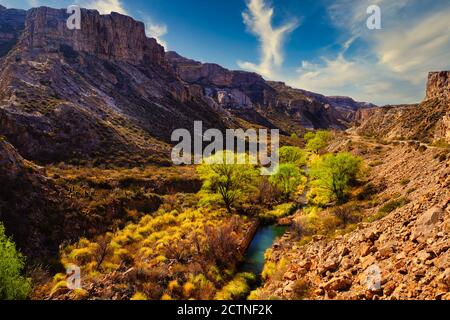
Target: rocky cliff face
pixel 113 37
pixel 107 90
pixel 438 85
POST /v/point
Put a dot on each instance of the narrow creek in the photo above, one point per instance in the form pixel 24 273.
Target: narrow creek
pixel 263 240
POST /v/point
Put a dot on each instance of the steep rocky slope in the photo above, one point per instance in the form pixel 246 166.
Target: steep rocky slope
pixel 409 247
pixel 34 210
pixel 429 121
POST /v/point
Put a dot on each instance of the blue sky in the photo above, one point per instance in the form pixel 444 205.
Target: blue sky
pixel 318 45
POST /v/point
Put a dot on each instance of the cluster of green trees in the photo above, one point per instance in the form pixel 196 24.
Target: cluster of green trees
pixel 232 185
pixel 331 176
pixel 13 285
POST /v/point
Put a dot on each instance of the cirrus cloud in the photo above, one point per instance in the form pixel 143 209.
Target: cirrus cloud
pixel 258 19
pixel 393 67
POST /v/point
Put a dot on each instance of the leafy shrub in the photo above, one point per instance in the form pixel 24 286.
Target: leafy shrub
pixel 328 222
pixel 268 270
pixel 222 244
pixel 332 175
pixel 392 205
pixel 268 194
pixel 273 270
pixel 13 285
pixel 347 214
pixel 404 182
pixel 301 289
pixel 367 191
pixel 139 296
pixel 441 144
pixel 376 163
pixel 188 289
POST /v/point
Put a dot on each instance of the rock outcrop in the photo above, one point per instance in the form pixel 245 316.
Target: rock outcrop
pixel 113 37
pixel 438 85
pixel 93 93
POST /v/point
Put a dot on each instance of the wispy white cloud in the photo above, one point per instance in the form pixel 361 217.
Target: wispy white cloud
pixel 156 31
pixel 418 47
pixel 394 66
pixel 259 20
pixel 356 77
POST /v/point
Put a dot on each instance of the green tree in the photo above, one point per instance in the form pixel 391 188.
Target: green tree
pixel 318 141
pixel 293 155
pixel 287 178
pixel 229 184
pixel 13 286
pixel 333 174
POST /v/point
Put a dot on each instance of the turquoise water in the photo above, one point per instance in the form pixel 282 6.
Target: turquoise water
pixel 263 240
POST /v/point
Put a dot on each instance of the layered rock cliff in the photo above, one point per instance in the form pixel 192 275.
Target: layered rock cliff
pixel 107 90
pixel 113 37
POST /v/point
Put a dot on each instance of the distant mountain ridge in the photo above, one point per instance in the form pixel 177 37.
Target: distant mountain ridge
pixel 428 121
pixel 246 91
pixel 107 90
